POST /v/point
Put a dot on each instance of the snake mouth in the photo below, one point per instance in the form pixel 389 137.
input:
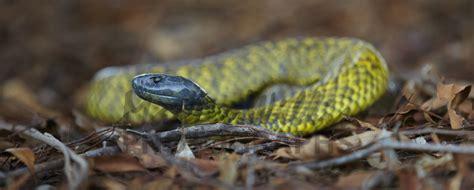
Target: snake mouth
pixel 143 91
pixel 165 98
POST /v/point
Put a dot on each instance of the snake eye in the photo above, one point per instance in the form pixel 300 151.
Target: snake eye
pixel 155 79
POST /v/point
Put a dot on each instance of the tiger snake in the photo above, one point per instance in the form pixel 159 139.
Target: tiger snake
pixel 334 77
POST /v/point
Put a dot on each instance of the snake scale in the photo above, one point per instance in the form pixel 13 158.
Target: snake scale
pixel 334 77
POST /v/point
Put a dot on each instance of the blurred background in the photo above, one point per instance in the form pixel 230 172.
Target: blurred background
pixel 53 48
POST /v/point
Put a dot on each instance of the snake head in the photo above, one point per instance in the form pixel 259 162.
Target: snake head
pixel 170 92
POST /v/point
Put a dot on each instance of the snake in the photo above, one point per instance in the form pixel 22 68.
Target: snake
pixel 331 78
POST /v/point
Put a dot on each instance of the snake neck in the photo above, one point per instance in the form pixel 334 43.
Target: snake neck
pixel 211 112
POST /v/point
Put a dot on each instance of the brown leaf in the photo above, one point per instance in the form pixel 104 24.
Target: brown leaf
pixel 320 147
pixel 455 120
pixel 117 163
pixel 460 94
pixel 25 155
pixel 452 96
pixel 354 180
pixel 228 164
pixel 357 140
pixel 208 166
pixel 367 125
pixel 183 150
pixel 160 183
pixel 99 182
pixel 465 172
pixel 18 94
pixel 409 180
pixel 138 148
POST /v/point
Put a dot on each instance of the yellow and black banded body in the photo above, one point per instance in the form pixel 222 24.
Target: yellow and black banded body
pixel 339 76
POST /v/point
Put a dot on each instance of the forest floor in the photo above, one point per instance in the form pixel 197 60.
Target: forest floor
pixel 419 138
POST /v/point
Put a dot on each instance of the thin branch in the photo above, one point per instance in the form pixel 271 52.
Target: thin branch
pixel 75 174
pixel 219 129
pixel 270 146
pixel 384 144
pixel 54 164
pixel 429 130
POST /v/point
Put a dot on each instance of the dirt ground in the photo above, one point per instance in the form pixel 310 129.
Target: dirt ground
pixel 50 50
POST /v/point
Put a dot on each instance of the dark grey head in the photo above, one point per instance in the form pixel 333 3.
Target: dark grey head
pixel 168 91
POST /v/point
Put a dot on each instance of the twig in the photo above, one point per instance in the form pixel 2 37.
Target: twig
pixel 270 146
pixel 387 143
pixel 427 130
pixel 75 174
pixel 219 129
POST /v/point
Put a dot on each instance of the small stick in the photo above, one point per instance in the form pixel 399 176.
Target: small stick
pixel 53 164
pixel 76 173
pixel 270 146
pixel 219 129
pixel 387 143
pixel 428 130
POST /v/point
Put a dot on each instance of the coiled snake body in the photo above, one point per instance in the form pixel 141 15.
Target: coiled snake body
pixel 335 77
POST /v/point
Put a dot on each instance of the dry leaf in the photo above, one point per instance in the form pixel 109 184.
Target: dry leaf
pixel 455 120
pixel 409 180
pixel 208 166
pixel 357 140
pixel 25 155
pixel 354 180
pixel 160 183
pixel 17 93
pixel 137 147
pixel 117 163
pixel 465 172
pixel 107 183
pixel 460 94
pixel 320 147
pixel 228 164
pixel 183 150
pixel 452 96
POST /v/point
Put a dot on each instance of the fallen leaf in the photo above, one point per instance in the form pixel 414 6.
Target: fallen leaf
pixel 138 148
pixel 117 163
pixel 107 183
pixel 455 120
pixel 461 93
pixel 367 125
pixel 25 155
pixel 160 183
pixel 208 166
pixel 320 147
pixel 464 174
pixel 18 94
pixel 183 150
pixel 409 179
pixel 228 164
pixel 354 180
pixel 452 96
pixel 357 140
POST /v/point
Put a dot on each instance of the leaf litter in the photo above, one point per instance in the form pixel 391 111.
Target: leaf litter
pixel 442 117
